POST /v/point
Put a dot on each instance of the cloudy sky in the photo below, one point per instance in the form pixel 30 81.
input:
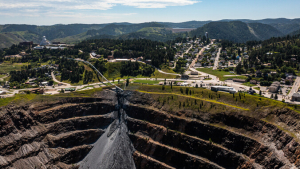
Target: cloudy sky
pixel 48 12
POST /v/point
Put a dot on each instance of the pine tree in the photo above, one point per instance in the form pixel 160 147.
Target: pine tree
pixel 276 97
pixel 196 86
pixel 259 92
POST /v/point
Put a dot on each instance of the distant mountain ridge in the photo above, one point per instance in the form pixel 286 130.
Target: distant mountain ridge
pixel 237 31
pixel 250 30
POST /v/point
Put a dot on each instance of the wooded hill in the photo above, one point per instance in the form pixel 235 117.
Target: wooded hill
pixel 236 30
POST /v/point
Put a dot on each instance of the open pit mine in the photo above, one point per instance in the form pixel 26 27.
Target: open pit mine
pixel 133 130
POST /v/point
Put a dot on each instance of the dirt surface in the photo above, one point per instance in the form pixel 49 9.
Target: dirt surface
pixel 142 133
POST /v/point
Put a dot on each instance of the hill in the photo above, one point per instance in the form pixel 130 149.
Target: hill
pixel 9 38
pixel 237 31
pixel 188 24
pixel 113 29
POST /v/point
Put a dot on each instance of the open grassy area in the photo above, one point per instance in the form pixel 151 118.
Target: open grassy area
pixel 21 99
pixel 147 81
pixel 241 100
pixel 7 67
pixel 248 84
pixel 157 74
pixel 220 74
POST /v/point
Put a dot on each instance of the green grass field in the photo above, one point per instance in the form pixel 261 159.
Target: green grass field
pixel 248 84
pixel 7 67
pixel 220 74
pixel 147 81
pixel 242 100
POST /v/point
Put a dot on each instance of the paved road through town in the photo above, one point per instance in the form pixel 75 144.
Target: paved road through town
pixel 217 60
pixel 295 87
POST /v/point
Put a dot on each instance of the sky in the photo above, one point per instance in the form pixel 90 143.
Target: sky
pixel 50 12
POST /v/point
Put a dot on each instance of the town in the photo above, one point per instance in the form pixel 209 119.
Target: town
pixel 197 62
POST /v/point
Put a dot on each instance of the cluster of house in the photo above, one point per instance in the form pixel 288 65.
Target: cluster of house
pixel 18 56
pixel 184 52
pixel 207 59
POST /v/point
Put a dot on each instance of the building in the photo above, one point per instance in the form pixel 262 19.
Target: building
pixel 13 56
pixel 296 97
pixel 240 80
pixel 223 88
pixel 206 35
pixel 122 60
pixel 274 87
pixel 148 61
pixel 194 73
pixel 185 76
pixel 37 91
pixel 70 89
pixel 38 48
pixel 258 73
pixel 44 41
pixel 253 81
pixel 28 44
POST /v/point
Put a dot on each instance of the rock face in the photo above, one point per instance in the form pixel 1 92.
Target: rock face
pixel 88 133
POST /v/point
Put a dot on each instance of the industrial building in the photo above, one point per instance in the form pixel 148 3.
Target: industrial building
pixel 274 87
pixel 296 97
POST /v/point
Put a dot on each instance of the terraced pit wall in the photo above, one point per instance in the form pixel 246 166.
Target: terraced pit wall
pixel 69 133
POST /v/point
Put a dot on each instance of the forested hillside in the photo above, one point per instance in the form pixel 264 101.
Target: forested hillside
pixel 9 38
pixel 237 31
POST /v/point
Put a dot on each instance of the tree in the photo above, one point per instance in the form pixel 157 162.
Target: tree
pixel 271 96
pixel 276 97
pixel 181 90
pixel 51 82
pixel 171 85
pixel 127 82
pixel 196 86
pixel 163 87
pixel 186 91
pixel 259 92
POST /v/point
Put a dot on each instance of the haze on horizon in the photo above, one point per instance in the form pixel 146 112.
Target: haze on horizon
pixel 49 12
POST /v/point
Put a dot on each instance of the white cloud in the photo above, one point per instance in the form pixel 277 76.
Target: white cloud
pixel 91 4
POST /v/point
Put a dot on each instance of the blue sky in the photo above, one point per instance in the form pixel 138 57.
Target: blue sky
pixel 49 12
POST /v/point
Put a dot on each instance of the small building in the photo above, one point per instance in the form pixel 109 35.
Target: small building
pixel 253 82
pixel 296 97
pixel 258 73
pixel 178 83
pixel 148 61
pixel 274 87
pixel 122 60
pixel 37 91
pixel 194 73
pixel 110 57
pixel 185 76
pixel 240 80
pixel 161 83
pixel 70 89
pixel 44 83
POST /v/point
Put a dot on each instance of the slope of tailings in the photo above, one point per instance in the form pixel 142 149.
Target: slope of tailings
pixel 74 132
